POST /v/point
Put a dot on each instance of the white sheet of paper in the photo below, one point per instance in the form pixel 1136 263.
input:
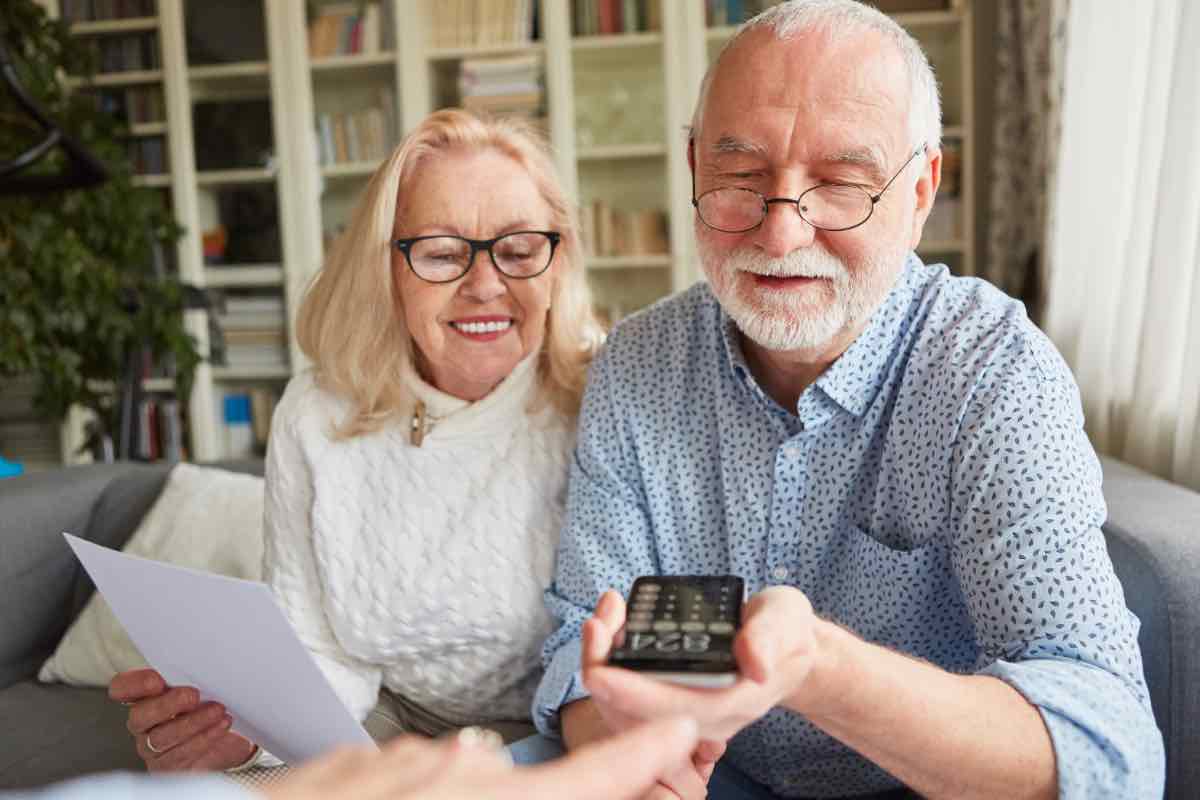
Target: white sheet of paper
pixel 229 639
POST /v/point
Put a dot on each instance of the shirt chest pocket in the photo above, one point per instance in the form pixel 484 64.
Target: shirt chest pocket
pixel 884 593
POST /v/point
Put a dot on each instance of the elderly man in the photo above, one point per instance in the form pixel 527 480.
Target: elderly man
pixel 892 458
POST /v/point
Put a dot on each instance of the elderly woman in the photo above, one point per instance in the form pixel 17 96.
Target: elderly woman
pixel 416 474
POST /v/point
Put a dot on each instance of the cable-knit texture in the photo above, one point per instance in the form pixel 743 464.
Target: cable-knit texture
pixel 420 568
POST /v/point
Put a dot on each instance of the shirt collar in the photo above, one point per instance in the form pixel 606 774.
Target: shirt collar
pixel 855 378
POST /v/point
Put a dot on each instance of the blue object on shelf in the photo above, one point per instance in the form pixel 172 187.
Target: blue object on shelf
pixel 237 408
pixel 10 469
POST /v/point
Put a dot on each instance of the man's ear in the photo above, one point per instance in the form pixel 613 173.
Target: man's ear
pixel 926 191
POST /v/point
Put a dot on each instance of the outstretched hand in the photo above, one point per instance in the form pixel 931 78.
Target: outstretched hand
pixel 414 768
pixel 776 650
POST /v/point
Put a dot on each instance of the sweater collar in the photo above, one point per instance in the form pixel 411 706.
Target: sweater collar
pixel 454 416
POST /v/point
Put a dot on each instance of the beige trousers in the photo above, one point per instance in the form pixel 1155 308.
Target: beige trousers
pixel 394 715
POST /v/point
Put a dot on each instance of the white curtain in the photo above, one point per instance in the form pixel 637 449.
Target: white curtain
pixel 1123 232
pixel 1123 236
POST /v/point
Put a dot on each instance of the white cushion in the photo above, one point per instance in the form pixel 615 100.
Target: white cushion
pixel 206 518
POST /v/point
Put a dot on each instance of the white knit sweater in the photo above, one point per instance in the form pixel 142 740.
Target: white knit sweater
pixel 420 568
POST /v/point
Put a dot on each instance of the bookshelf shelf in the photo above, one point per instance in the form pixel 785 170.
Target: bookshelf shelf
pixel 621 151
pixel 251 373
pixel 475 51
pixel 110 26
pixel 617 41
pixel 234 177
pixel 242 69
pixel 129 78
pixel 343 64
pixel 356 169
pixel 654 261
pixel 155 181
pixel 239 276
pixel 159 384
pixel 148 129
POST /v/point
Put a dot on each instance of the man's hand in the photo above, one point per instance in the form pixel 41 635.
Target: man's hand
pixel 413 768
pixel 776 651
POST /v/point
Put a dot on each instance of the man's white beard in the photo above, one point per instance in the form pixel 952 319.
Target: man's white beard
pixel 781 319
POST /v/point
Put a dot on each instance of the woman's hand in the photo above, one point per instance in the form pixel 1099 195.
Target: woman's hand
pixel 172 730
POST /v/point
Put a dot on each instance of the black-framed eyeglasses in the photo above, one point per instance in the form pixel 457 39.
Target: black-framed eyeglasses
pixel 827 206
pixel 444 259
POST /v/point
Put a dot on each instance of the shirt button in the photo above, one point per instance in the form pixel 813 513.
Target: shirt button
pixel 779 573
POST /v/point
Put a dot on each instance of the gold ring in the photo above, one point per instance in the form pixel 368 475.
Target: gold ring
pixel 152 748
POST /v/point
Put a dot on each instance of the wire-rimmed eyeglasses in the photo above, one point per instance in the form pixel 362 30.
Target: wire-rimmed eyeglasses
pixel 827 206
pixel 445 258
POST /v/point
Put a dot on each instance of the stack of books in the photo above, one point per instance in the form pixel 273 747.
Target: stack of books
pixel 346 29
pixel 364 135
pixel 507 86
pixel 604 17
pixel 612 232
pixel 253 331
pixel 482 23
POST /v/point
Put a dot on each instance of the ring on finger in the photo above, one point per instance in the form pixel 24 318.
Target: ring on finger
pixel 150 746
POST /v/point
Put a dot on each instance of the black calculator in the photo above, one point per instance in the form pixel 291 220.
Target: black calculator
pixel 680 628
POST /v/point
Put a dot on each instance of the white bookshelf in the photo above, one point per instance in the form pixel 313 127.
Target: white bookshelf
pixel 644 168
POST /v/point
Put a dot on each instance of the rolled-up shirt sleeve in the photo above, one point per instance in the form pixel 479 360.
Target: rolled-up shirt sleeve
pixel 1049 612
pixel 605 544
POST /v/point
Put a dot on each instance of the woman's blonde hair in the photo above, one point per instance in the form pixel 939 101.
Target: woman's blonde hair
pixel 351 323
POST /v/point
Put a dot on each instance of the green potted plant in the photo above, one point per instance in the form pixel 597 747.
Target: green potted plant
pixel 79 290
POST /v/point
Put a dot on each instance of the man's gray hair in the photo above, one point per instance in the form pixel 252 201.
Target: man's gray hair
pixel 841 19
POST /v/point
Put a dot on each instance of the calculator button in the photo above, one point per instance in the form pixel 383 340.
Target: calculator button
pixel 641 616
pixel 692 626
pixel 720 627
pixel 666 626
pixel 638 626
pixel 641 605
pixel 649 587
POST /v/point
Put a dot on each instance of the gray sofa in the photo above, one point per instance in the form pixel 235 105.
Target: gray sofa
pixel 53 732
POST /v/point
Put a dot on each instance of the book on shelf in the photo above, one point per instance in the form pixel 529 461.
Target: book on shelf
pixel 608 231
pixel 148 156
pixel 127 53
pixel 482 23
pixel 607 17
pixel 346 29
pixel 718 13
pixel 362 135
pixel 246 420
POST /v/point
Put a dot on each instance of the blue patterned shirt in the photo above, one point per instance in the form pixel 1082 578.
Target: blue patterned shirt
pixel 933 491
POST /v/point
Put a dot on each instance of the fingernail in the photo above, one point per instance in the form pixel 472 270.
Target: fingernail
pixel 227 721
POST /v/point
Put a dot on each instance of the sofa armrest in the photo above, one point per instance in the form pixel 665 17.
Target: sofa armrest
pixel 42 586
pixel 1153 536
